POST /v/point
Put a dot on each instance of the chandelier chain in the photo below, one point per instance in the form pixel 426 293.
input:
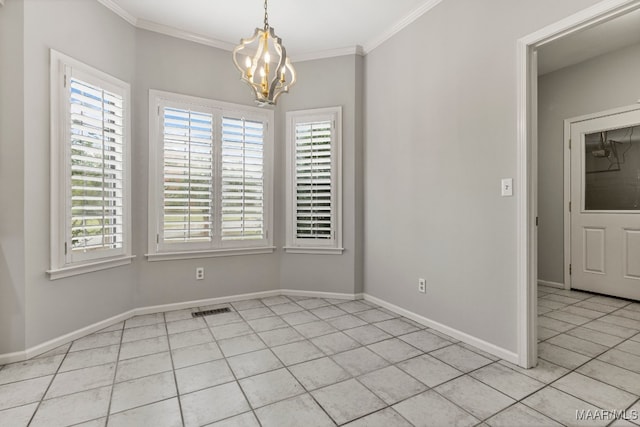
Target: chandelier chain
pixel 266 16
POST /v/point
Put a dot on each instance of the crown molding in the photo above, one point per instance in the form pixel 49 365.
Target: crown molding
pixel 198 38
pixel 115 8
pixel 185 35
pixel 400 25
pixel 331 53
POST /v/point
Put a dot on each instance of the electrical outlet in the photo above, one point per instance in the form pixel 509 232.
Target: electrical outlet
pixel 199 273
pixel 422 286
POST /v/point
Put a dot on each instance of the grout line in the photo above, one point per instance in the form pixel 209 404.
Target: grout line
pixel 49 386
pixel 115 373
pixel 173 369
pixel 324 355
pixel 236 380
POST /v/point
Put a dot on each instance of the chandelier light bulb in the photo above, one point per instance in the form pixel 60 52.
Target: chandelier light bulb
pixel 259 51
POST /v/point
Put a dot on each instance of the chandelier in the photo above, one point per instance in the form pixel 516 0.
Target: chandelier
pixel 263 62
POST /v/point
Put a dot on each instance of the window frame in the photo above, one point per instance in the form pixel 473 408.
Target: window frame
pixel 63 263
pixel 294 244
pixel 160 251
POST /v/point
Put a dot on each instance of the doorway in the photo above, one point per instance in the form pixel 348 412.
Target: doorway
pixel 527 176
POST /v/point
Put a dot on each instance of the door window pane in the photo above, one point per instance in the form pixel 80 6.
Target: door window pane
pixel 612 170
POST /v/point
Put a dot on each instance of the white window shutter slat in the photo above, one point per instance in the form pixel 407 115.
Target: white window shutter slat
pixel 313 181
pixel 187 176
pixel 242 174
pixel 96 166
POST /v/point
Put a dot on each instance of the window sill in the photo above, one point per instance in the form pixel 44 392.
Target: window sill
pixel 90 267
pixel 313 250
pixel 170 256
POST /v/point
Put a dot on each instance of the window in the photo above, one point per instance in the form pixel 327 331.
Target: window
pixel 314 181
pixel 89 169
pixel 209 178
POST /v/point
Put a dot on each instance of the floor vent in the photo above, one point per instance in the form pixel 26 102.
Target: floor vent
pixel 210 312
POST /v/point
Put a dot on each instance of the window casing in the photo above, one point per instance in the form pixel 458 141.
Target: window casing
pixel 314 181
pixel 210 179
pixel 90 163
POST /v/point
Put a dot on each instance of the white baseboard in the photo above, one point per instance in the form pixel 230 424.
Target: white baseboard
pixel 551 284
pixel 67 338
pixel 316 294
pixel 64 339
pixel 203 302
pixel 71 336
pixel 17 356
pixel 500 352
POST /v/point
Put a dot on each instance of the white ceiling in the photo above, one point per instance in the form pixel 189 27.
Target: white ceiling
pixel 595 41
pixel 309 28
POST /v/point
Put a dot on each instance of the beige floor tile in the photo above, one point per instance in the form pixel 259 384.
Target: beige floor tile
pixel 295 412
pixel 73 408
pixel 347 401
pixel 431 409
pixel 142 391
pixel 508 381
pixel 470 394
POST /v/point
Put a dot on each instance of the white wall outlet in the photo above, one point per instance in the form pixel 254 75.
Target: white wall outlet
pixel 199 273
pixel 507 187
pixel 422 286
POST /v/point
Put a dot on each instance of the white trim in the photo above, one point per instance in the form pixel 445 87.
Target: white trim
pixel 331 53
pixel 565 206
pixel 90 267
pixel 400 25
pixel 526 185
pixel 370 45
pixel 38 349
pixel 71 336
pixel 157 248
pixel 121 12
pixel 184 35
pixel 309 246
pixel 168 256
pixel 318 294
pixel 79 333
pixel 551 284
pixel 310 250
pixel 203 302
pixel 500 352
pixel 64 263
pixel 1 2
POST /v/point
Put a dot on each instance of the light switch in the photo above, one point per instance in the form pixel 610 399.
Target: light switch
pixel 507 187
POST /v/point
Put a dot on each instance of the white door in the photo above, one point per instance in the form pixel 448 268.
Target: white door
pixel 605 204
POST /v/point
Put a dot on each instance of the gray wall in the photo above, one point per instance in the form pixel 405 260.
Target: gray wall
pixel 326 83
pixel 602 83
pixel 174 65
pixel 440 134
pixel 12 248
pixel 35 309
pixel 90 33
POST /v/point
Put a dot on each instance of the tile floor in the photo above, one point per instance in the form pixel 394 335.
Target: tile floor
pixel 290 361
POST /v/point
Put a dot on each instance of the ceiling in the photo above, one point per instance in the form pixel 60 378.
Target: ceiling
pixel 309 28
pixel 313 29
pixel 607 37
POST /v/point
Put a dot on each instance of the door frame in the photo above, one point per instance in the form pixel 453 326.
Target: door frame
pixel 567 177
pixel 527 162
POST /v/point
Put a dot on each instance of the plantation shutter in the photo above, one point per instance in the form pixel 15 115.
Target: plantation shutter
pixel 97 168
pixel 242 195
pixel 313 183
pixel 187 176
